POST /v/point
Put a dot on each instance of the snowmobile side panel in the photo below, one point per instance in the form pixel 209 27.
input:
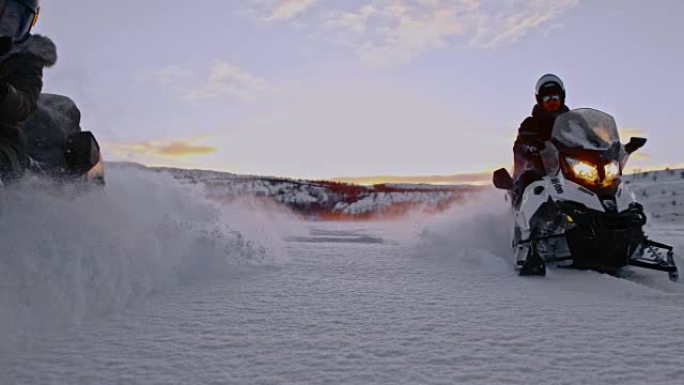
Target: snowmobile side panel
pixel 535 195
pixel 573 192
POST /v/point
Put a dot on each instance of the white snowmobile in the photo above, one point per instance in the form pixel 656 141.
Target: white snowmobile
pixel 577 212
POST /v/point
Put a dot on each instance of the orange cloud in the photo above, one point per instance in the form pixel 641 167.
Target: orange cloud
pixel 170 148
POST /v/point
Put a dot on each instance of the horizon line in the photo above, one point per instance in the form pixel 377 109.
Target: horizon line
pixel 472 178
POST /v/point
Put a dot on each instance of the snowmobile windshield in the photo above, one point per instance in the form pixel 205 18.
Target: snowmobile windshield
pixel 586 129
pixel 589 142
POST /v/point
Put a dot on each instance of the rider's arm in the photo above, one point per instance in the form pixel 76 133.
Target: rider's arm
pixel 528 139
pixel 19 91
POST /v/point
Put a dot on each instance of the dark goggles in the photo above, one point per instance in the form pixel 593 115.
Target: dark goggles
pixel 548 98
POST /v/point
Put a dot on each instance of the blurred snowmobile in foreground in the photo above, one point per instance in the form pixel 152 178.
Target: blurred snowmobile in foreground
pixel 577 212
pixel 57 147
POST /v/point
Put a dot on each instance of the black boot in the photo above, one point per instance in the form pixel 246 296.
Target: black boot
pixel 533 266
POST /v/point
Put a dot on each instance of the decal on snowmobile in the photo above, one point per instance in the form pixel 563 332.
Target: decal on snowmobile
pixel 557 185
pixel 584 190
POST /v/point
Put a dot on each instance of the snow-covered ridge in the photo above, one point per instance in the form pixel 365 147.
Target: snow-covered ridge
pixel 325 199
pixel 661 192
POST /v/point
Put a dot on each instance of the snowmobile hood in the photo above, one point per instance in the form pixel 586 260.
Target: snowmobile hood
pixel 39 46
pixel 43 48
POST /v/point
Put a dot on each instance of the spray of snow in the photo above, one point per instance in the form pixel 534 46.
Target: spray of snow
pixel 67 256
pixel 474 233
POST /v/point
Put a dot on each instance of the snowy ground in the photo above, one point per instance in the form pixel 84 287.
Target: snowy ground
pixel 417 301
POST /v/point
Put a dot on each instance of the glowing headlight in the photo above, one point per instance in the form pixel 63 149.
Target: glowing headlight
pixel 584 171
pixel 612 172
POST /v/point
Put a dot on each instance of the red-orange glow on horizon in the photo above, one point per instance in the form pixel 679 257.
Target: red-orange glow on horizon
pixel 478 178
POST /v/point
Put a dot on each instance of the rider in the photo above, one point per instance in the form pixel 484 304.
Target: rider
pixel 22 59
pixel 535 130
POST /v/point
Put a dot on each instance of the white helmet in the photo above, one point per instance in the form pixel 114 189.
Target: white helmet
pixel 549 84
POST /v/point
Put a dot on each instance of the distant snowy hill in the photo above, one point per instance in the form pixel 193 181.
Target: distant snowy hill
pixel 661 192
pixel 324 199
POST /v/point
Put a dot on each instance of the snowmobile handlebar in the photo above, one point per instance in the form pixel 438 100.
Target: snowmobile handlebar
pixel 634 144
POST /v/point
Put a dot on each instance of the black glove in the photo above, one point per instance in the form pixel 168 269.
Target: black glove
pixel 529 149
pixel 531 145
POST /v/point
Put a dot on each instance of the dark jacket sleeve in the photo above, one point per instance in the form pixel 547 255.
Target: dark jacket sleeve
pixel 527 135
pixel 21 90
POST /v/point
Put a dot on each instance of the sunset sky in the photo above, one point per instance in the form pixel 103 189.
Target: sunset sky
pixel 322 89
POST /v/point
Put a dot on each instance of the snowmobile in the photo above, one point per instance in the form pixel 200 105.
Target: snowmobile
pixel 576 212
pixel 57 147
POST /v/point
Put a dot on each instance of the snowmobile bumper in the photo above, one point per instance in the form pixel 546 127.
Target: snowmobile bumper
pixel 605 241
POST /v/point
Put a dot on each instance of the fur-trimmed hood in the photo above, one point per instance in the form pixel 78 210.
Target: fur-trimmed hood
pixel 43 48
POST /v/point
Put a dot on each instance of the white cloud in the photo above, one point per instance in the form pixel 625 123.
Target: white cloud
pixel 223 79
pixel 229 79
pixel 353 22
pixel 510 25
pixel 395 31
pixel 281 10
